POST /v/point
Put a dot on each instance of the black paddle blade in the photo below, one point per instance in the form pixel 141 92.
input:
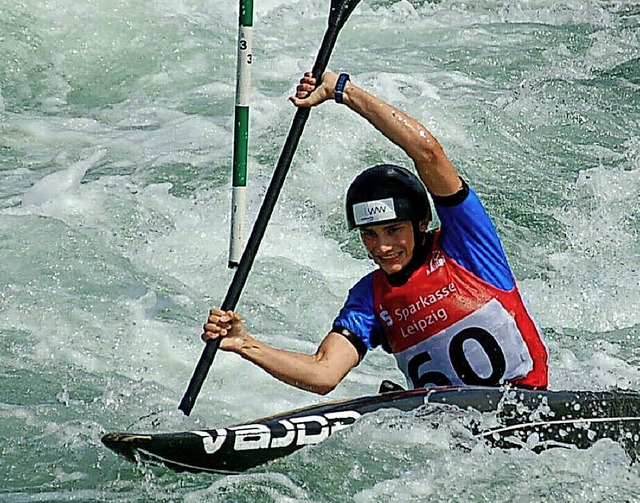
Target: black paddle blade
pixel 340 11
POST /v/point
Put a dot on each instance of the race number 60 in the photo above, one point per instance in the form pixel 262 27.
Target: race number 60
pixel 460 362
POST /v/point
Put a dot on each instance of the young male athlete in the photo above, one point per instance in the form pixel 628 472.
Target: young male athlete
pixel 444 303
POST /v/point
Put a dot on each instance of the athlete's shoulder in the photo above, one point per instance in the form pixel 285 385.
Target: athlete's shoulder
pixel 468 235
pixel 364 286
pixel 358 315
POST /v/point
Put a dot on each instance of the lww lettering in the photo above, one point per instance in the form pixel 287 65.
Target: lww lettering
pixel 375 210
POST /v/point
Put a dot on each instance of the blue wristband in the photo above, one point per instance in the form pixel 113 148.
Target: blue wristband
pixel 342 81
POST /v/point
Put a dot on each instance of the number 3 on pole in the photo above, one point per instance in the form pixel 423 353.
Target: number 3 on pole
pixel 241 132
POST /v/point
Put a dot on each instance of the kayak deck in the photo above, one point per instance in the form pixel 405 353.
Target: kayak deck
pixel 575 419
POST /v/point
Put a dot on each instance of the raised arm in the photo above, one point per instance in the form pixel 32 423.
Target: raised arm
pixel 319 373
pixel 431 162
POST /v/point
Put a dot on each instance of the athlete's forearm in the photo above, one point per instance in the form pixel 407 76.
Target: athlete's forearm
pixel 420 145
pixel 308 372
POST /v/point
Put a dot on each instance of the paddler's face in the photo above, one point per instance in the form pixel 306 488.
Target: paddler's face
pixel 390 245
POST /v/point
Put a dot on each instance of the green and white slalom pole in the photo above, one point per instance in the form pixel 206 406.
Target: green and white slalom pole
pixel 241 132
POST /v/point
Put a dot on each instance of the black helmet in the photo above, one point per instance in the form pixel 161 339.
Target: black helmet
pixel 386 193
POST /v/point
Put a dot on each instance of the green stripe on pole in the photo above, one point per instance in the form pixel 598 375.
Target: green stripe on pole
pixel 240 147
pixel 246 13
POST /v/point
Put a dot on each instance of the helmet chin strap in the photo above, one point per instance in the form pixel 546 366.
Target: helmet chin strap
pixel 423 242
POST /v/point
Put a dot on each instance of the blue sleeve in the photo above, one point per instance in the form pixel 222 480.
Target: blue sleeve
pixel 468 235
pixel 358 315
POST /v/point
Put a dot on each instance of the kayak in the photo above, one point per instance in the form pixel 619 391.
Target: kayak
pixel 523 419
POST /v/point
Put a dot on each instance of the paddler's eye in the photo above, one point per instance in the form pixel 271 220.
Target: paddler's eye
pixel 367 233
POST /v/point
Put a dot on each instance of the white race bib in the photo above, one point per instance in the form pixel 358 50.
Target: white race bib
pixel 485 348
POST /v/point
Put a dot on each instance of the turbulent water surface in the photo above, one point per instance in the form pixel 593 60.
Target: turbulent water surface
pixel 115 157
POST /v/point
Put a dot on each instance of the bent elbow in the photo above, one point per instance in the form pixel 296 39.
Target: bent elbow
pixel 429 153
pixel 325 390
pixel 326 387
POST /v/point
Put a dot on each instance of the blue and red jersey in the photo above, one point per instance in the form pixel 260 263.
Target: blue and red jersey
pixel 459 318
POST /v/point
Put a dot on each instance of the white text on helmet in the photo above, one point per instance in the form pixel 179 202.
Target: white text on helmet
pixel 374 211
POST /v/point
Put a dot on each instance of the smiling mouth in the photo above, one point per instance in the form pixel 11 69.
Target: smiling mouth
pixel 390 257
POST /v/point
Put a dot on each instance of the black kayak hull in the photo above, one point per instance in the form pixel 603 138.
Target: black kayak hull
pixel 553 418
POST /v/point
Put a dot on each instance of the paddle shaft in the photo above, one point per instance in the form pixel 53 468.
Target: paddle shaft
pixel 340 11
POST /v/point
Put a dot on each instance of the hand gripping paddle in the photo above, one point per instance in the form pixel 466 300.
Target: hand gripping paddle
pixel 338 15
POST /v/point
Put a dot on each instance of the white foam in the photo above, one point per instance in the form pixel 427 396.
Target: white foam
pixel 59 182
